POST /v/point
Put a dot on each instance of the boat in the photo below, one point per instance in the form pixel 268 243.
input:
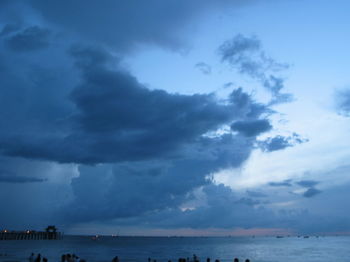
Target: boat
pixel 95 238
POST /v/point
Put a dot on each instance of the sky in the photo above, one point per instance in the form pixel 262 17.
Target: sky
pixel 175 117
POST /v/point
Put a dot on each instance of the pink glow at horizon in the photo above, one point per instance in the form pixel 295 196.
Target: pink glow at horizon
pixel 209 232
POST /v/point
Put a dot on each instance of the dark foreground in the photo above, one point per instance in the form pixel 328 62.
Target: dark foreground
pixel 75 258
pixel 163 249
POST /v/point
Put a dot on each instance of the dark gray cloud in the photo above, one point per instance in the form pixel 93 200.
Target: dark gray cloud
pixel 252 127
pixel 212 213
pixel 125 24
pixel 307 183
pixel 215 212
pixel 29 39
pixel 149 153
pixel 245 54
pixel 132 122
pixel 281 142
pixel 343 101
pixel 221 207
pixel 157 141
pixel 156 185
pixel 285 183
pixel 311 192
pixel 81 106
pixel 204 68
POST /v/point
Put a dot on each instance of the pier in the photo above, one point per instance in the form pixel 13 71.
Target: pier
pixel 49 234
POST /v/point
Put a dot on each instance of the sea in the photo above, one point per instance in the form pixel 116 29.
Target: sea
pixel 163 249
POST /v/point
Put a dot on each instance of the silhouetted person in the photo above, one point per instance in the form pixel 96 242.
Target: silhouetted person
pixel 236 260
pixel 208 259
pixel 194 257
pixel 247 260
pixel 217 260
pixel 31 258
pixel 63 258
pixel 82 260
pixel 44 259
pixel 149 259
pixel 115 259
pixel 69 258
pixel 38 258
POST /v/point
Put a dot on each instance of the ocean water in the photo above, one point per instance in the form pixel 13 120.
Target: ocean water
pixel 138 249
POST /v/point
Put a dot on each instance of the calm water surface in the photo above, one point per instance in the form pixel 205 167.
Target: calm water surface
pixel 138 249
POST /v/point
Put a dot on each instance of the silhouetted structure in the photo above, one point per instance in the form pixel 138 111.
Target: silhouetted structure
pixel 49 234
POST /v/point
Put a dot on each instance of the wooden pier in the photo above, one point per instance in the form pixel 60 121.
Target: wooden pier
pixel 49 234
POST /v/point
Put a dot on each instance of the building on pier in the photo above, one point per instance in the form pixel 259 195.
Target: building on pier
pixel 50 233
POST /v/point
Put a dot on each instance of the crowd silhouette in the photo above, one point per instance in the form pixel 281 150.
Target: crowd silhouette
pixel 64 258
pixel 75 258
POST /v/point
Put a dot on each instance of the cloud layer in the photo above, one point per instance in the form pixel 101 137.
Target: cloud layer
pixel 80 132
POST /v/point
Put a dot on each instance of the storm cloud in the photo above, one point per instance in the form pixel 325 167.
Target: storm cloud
pixel 90 141
pixel 132 122
pixel 153 22
pixel 142 151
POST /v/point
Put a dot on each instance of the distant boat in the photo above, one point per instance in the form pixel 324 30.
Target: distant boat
pixel 306 236
pixel 95 238
pixel 279 236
